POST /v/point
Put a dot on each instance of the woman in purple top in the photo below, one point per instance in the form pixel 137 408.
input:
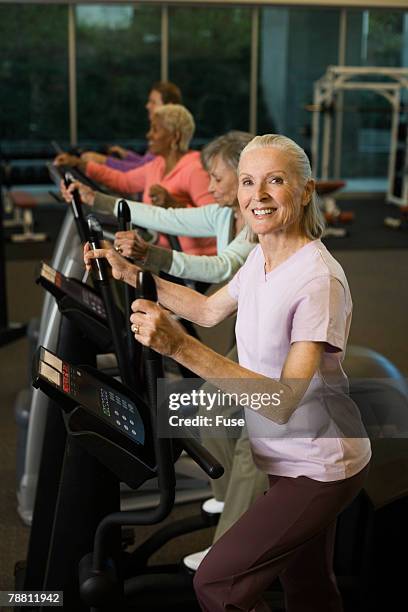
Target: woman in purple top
pixel 293 317
pixel 162 92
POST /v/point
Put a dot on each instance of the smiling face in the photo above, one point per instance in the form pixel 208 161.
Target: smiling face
pixel 223 182
pixel 271 193
pixel 160 139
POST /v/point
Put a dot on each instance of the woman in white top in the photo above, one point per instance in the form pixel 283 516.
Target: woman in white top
pixel 293 316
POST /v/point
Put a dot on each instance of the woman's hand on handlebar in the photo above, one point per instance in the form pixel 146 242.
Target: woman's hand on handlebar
pixel 86 193
pixel 66 159
pixel 118 150
pixel 121 269
pixel 88 156
pixel 130 244
pixel 155 327
pixel 160 196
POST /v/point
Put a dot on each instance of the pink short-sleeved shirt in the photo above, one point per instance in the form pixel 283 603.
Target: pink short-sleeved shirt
pixel 306 298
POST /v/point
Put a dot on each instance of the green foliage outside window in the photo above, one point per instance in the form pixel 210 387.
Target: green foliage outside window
pixel 33 73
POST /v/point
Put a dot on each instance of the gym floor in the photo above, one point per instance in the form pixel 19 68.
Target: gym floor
pixel 380 292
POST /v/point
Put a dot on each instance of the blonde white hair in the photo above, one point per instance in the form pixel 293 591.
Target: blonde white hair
pixel 176 118
pixel 312 222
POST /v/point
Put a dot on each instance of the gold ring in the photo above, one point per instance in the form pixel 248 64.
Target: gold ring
pixel 118 249
pixel 135 329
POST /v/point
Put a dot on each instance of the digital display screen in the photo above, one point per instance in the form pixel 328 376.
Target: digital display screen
pixel 52 360
pixel 80 292
pixel 125 415
pixel 48 273
pixel 50 374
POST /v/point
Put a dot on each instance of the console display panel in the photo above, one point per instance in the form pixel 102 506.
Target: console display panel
pixel 104 402
pixel 78 291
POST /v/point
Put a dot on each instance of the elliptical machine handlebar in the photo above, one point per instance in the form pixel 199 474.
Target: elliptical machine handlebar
pixel 116 323
pixel 99 266
pixel 134 349
pixel 203 458
pixel 196 451
pixel 77 210
pixel 124 216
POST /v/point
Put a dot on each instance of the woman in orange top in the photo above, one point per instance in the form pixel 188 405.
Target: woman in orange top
pixel 175 178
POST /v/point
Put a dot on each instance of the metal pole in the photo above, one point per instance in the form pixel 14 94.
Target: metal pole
pixel 72 77
pixel 253 91
pixel 164 49
pixel 393 143
pixel 315 131
pixel 3 284
pixel 327 126
pixel 338 130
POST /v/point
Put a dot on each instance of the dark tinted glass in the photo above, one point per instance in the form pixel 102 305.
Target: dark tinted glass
pixel 118 58
pixel 33 76
pixel 209 59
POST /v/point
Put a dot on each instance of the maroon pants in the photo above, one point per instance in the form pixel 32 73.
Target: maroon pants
pixel 288 532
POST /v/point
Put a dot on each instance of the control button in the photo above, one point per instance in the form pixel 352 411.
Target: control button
pixel 126 427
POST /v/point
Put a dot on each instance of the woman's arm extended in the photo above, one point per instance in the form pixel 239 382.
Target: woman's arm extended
pixel 153 327
pixel 126 182
pixel 204 310
pixel 205 268
pixel 212 268
pixel 196 222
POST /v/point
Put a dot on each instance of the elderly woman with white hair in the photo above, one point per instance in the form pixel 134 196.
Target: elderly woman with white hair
pixel 175 177
pixel 293 308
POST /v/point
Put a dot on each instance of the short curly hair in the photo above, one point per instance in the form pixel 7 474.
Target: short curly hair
pixel 176 117
pixel 169 92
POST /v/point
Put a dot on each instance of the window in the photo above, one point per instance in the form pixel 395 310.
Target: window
pixel 293 54
pixel 209 59
pixel 118 58
pixel 33 76
pixel 374 38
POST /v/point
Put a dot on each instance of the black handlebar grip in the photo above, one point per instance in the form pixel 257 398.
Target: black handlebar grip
pixel 99 266
pixel 76 205
pixel 211 466
pixel 76 198
pixel 147 286
pixel 124 216
pixel 148 291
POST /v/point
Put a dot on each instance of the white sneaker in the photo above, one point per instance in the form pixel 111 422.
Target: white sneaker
pixel 335 232
pixel 392 222
pixel 212 506
pixel 193 561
